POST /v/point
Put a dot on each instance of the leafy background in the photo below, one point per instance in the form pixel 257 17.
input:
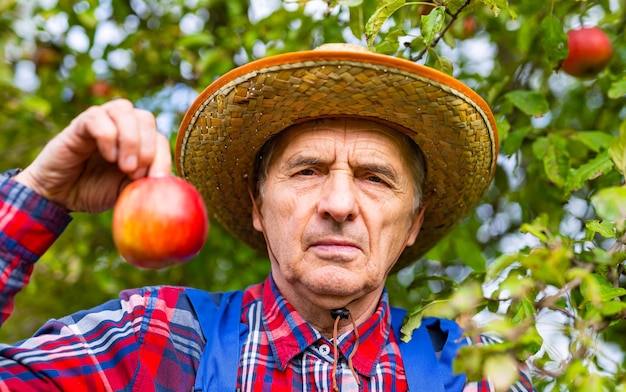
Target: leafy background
pixel 541 260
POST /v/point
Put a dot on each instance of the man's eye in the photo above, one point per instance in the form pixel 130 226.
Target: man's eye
pixel 306 172
pixel 375 179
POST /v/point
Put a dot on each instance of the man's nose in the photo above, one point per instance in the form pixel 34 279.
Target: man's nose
pixel 338 199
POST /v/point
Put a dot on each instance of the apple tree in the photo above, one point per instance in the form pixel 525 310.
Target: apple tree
pixel 540 262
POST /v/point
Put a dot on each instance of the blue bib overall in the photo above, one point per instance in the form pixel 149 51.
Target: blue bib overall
pixel 427 357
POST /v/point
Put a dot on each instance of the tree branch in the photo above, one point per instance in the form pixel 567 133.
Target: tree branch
pixel 435 41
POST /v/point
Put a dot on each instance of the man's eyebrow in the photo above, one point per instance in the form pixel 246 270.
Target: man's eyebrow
pixel 385 170
pixel 306 160
pixel 301 160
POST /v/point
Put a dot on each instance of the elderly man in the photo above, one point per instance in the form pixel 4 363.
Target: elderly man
pixel 355 164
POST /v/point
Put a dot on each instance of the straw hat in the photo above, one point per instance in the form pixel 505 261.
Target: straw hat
pixel 232 118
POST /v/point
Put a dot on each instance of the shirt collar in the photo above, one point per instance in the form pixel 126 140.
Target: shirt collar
pixel 289 334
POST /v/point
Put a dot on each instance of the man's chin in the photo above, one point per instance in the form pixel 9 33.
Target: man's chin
pixel 335 282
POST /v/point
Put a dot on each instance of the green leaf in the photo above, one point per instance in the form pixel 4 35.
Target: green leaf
pixel 532 103
pixel 553 40
pixel 597 291
pixel 601 256
pixel 444 65
pixel 537 228
pixel 37 105
pixel 433 23
pixel 465 299
pixel 590 290
pixel 556 160
pixel 516 287
pixel 617 152
pixel 389 43
pixel 594 140
pixel 617 89
pixel 525 36
pixel 548 265
pixel 499 265
pixel 604 228
pixel 435 308
pixel 590 170
pixel 500 5
pixel 503 126
pixel 412 321
pixel 469 361
pixel 523 310
pixel 529 347
pixel 196 40
pixel 512 141
pixel 610 204
pixel 88 18
pixel 350 3
pixel 493 5
pixel 379 17
pixel 440 308
pixel 502 371
pixel 454 5
pixel 611 308
pixel 607 292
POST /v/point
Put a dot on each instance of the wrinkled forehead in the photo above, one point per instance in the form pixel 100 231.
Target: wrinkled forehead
pixel 354 124
pixel 372 131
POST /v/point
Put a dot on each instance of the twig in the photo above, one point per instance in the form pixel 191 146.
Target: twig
pixel 549 302
pixel 619 243
pixel 435 41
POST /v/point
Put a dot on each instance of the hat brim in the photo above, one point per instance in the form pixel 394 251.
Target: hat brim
pixel 233 117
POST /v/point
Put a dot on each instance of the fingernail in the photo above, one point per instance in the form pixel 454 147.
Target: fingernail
pixel 131 163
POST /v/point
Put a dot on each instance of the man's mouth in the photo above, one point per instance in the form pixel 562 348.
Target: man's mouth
pixel 334 247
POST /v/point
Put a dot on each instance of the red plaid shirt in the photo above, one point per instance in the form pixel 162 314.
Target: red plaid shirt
pixel 149 339
pixel 283 351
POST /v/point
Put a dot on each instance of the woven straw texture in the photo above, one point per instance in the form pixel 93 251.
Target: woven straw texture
pixel 229 122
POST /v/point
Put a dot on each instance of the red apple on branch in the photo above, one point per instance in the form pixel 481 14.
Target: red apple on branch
pixel 464 28
pixel 159 222
pixel 590 50
pixel 101 88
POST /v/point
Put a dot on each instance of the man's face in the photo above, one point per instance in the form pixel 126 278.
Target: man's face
pixel 337 207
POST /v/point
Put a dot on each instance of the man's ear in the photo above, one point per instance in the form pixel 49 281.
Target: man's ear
pixel 416 225
pixel 257 217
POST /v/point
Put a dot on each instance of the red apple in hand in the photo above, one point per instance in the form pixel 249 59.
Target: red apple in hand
pixel 590 50
pixel 159 222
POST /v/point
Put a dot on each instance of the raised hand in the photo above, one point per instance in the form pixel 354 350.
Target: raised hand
pixel 86 165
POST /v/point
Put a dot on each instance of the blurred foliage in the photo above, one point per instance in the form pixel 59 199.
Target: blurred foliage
pixel 540 262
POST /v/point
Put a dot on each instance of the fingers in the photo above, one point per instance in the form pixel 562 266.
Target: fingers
pixel 128 136
pixel 83 166
pixel 162 163
pixel 129 131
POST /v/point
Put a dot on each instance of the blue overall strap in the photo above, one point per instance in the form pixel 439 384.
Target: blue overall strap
pixel 222 328
pixel 424 370
pixel 450 342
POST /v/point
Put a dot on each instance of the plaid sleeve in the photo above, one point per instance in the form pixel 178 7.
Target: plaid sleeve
pixel 147 340
pixel 524 380
pixel 29 224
